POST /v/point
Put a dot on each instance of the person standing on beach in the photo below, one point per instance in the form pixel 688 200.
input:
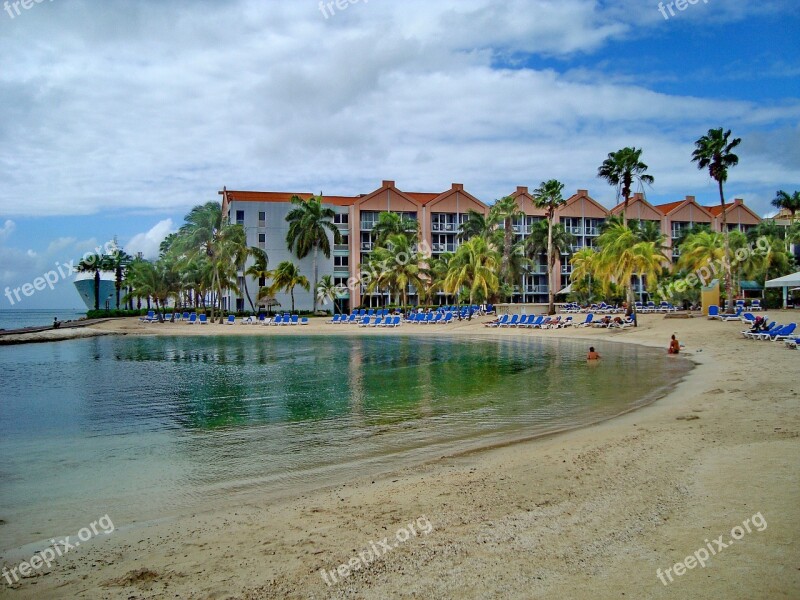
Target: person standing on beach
pixel 674 346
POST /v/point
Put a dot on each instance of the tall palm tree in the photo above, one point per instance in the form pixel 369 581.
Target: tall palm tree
pixel 207 234
pixel 119 260
pixel 309 225
pixel 397 265
pixel 584 266
pixel 622 169
pixel 476 224
pixel 258 270
pixel 474 267
pixel 390 224
pixel 543 236
pixel 715 152
pixel 94 264
pixel 286 277
pixel 548 196
pixel 622 256
pixel 328 291
pixel 783 200
pixel 505 211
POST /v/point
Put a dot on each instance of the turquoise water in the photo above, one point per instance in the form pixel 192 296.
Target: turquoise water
pixel 17 319
pixel 144 428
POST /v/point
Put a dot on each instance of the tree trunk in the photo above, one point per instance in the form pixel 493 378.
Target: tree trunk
pixel 291 293
pixel 550 264
pixel 118 283
pixel 97 290
pixel 632 305
pixel 247 292
pixel 728 279
pixel 314 292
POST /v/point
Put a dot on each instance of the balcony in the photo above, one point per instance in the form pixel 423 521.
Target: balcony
pixel 592 231
pixel 575 230
pixel 438 248
pixel 341 268
pixel 440 227
pixel 367 246
pixel 367 225
pixel 341 247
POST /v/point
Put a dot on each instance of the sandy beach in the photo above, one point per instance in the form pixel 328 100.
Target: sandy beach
pixel 589 513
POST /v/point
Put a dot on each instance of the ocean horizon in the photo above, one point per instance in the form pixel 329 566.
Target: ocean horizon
pixel 37 317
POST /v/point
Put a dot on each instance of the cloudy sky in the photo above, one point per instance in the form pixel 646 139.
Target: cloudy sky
pixel 119 116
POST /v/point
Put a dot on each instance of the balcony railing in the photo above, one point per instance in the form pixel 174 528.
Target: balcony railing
pixel 438 227
pixel 367 246
pixel 576 230
pixel 341 268
pixel 341 247
pixel 368 225
pixel 592 231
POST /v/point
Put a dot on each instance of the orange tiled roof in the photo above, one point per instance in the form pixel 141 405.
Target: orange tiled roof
pixel 668 208
pixel 717 210
pixel 422 197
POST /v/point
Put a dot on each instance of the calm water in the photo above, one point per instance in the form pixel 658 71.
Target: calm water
pixel 142 428
pixel 17 319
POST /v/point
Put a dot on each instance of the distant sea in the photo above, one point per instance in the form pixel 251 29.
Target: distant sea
pixel 16 319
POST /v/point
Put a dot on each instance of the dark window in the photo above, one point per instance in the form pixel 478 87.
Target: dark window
pixel 240 304
pixel 341 261
pixel 240 217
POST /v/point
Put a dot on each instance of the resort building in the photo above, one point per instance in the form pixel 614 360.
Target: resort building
pixel 440 216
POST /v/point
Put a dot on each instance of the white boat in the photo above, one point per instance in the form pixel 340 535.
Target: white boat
pixel 84 283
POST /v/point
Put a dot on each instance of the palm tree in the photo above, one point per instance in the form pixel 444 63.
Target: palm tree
pixel 622 256
pixel 476 224
pixel 309 225
pixel 328 291
pixel 701 249
pixel 390 224
pixel 505 211
pixel 154 280
pixel 206 234
pixel 715 152
pixel 622 169
pixel 548 196
pixel 397 265
pixel 474 267
pixel 542 237
pixel 584 266
pixel 286 277
pixel 118 261
pixel 258 270
pixel 94 264
pixel 788 202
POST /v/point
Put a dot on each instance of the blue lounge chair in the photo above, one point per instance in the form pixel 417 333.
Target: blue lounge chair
pixel 365 322
pixel 757 334
pixel 231 320
pixel 378 322
pixel 151 314
pixel 185 316
pixel 278 320
pixel 713 312
pixel 512 323
pixel 448 318
pixel 294 320
pixel 755 305
pixel 393 322
pixel 783 333
pixel 192 318
pixel 500 322
pixel 304 321
pixel 203 319
pixel 587 321
pixel 736 317
pixel 334 321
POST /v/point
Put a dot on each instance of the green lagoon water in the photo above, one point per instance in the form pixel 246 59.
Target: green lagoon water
pixel 145 428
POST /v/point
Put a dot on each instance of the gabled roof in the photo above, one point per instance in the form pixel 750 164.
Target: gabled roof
pixel 633 200
pixel 457 188
pixel 672 207
pixel 717 210
pixel 583 194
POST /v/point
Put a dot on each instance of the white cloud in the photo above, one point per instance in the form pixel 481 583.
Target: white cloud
pixel 148 243
pixel 7 229
pixel 143 106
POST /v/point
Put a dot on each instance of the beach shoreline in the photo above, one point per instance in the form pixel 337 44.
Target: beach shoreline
pixel 590 512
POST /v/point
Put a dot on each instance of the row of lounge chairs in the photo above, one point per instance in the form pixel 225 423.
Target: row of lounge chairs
pixel 603 308
pixel 285 319
pixel 366 321
pixel 558 322
pixel 186 317
pixel 773 332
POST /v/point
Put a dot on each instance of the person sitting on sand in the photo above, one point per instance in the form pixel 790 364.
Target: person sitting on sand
pixel 674 346
pixel 592 354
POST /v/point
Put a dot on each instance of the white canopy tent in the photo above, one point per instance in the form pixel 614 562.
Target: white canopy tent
pixel 785 282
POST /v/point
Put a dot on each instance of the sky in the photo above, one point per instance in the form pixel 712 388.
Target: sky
pixel 117 117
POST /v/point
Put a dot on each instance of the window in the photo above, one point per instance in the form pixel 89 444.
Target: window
pixel 345 241
pixel 341 261
pixel 341 218
pixel 262 241
pixel 262 219
pixel 240 304
pixel 340 282
pixel 240 217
